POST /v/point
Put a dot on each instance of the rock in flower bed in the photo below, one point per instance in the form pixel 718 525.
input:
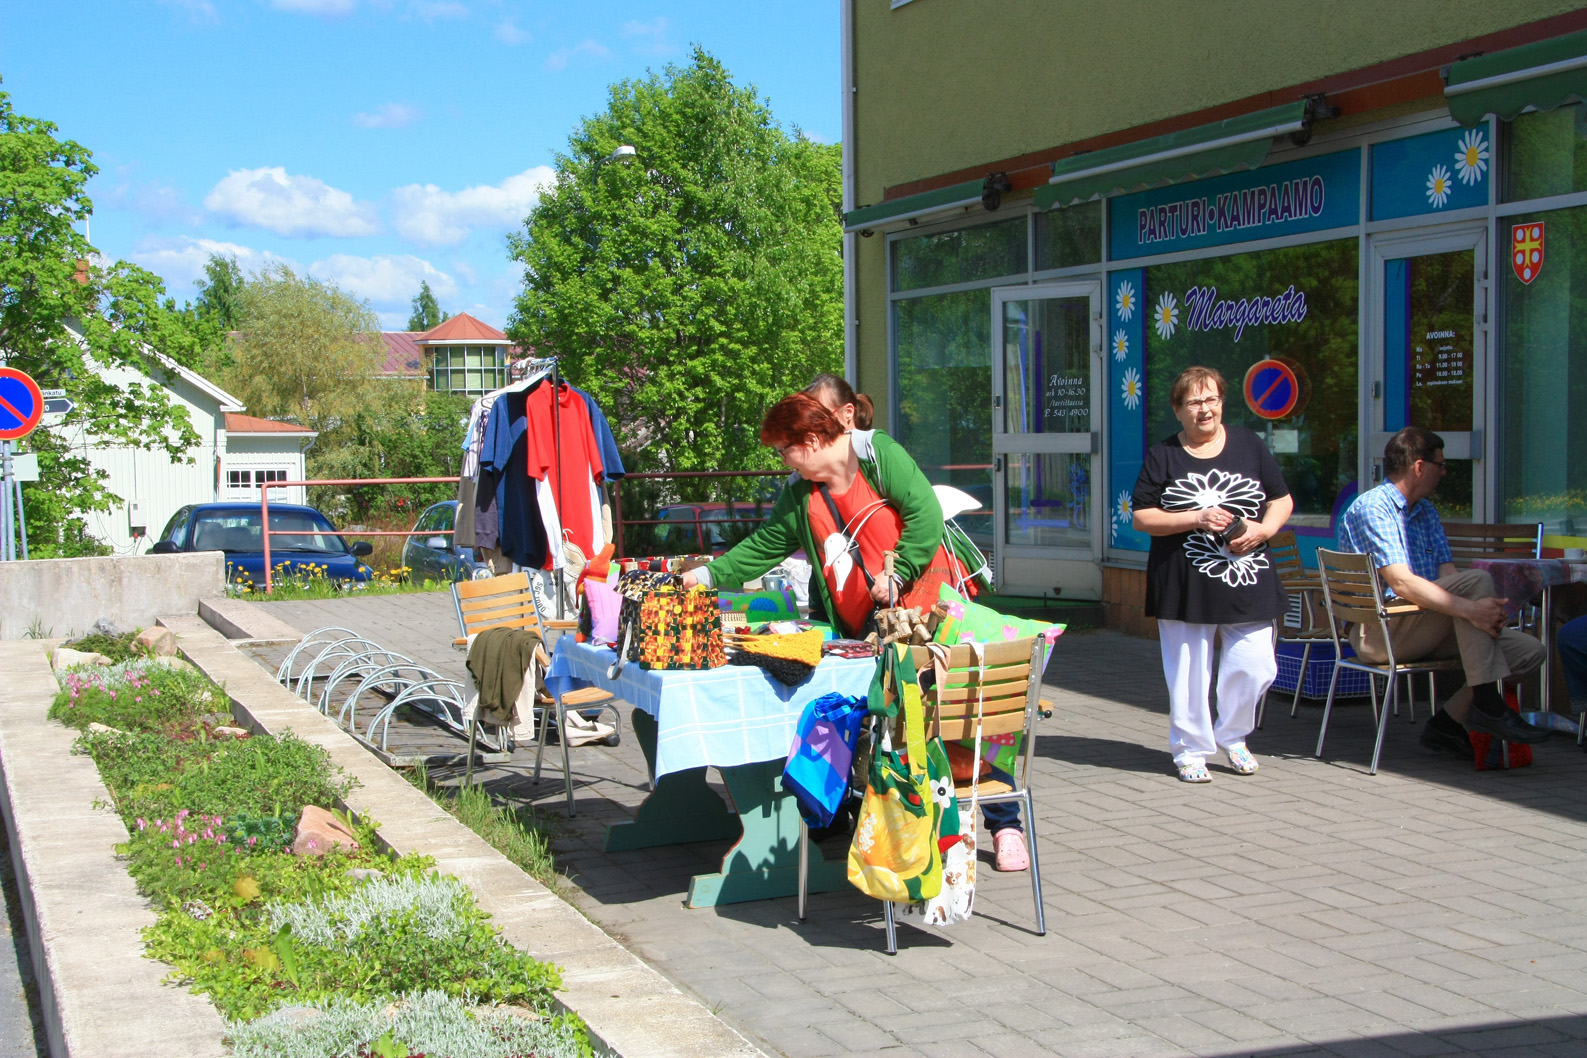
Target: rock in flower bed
pixel 360 950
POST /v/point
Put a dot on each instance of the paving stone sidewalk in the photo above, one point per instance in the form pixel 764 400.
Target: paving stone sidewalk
pixel 1309 909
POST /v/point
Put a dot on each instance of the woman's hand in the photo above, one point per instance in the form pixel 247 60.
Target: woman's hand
pixel 691 579
pixel 887 591
pixel 1213 520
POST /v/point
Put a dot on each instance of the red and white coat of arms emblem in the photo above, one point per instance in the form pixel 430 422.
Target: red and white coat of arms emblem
pixel 1526 250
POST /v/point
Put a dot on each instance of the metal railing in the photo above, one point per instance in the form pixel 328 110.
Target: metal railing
pixel 699 523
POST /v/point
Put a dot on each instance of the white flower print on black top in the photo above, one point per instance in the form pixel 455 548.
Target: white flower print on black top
pixel 1193 576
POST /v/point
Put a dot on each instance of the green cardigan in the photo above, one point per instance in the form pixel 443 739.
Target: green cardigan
pixel 891 473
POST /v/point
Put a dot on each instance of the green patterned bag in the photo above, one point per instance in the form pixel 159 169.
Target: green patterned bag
pixel 895 855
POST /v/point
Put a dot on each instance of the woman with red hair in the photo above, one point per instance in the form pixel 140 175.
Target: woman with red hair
pixel 856 495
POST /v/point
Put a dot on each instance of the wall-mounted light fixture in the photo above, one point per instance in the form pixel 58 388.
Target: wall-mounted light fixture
pixel 1317 109
pixel 993 188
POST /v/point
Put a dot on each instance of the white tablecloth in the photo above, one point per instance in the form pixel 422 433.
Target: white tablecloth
pixel 736 714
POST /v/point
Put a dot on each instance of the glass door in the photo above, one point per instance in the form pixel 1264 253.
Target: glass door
pixel 1046 427
pixel 1431 299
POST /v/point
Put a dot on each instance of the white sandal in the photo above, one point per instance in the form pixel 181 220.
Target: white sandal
pixel 1194 771
pixel 1241 761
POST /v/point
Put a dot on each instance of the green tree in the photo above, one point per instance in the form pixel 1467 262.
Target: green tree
pixel 305 351
pixel 220 292
pixel 690 289
pixel 426 312
pixel 395 439
pixel 76 322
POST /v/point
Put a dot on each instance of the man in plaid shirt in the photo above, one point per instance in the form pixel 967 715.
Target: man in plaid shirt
pixel 1462 616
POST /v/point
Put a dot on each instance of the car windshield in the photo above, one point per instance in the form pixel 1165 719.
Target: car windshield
pixel 240 531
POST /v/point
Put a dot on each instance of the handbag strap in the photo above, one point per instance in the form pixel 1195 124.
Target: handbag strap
pixel 843 528
pixel 939 662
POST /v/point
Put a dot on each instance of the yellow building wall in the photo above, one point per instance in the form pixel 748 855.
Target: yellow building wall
pixel 945 85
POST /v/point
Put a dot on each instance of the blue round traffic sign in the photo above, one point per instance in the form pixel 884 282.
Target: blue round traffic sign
pixel 21 404
pixel 1275 387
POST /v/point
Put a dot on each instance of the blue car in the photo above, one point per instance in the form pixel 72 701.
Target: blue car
pixel 315 547
pixel 430 554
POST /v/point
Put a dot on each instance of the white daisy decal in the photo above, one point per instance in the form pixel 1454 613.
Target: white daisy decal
pixel 1471 157
pixel 1438 186
pixel 1209 556
pixel 1124 301
pixel 1215 488
pixel 1121 344
pixel 1132 389
pixel 1165 317
pixel 1125 507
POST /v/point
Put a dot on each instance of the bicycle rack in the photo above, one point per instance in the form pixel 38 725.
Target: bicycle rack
pixel 404 680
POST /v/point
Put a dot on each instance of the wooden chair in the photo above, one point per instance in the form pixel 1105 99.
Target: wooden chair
pixel 1007 693
pixel 1306 588
pixel 1469 540
pixel 1354 595
pixel 507 601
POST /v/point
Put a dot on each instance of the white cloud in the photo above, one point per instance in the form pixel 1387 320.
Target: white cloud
pixel 274 199
pixel 180 261
pixel 315 7
pixel 430 216
pixel 649 37
pixel 559 59
pixel 198 10
pixel 508 33
pixel 390 116
pixel 383 278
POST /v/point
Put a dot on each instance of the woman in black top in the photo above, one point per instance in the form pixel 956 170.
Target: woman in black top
pixel 1210 496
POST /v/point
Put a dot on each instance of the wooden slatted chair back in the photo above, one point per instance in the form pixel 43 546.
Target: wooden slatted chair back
pixel 1469 540
pixel 496 602
pixel 1283 550
pixel 1007 690
pixel 1350 582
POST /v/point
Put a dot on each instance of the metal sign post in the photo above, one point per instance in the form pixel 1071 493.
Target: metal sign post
pixel 21 407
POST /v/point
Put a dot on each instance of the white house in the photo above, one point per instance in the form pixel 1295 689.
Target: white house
pixel 235 453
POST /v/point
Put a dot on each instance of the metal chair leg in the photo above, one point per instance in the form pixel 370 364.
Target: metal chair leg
pixel 1328 707
pixel 804 866
pixel 892 930
pixel 567 766
pixel 468 768
pixel 1392 696
pixel 1300 681
pixel 1035 864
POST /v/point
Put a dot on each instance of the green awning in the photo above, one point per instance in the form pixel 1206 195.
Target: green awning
pixel 1540 76
pixel 1221 147
pixel 939 201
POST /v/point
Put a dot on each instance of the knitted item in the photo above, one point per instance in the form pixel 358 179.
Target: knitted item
pixel 681 629
pixel 789 658
pixel 783 670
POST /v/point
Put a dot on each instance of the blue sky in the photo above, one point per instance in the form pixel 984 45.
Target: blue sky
pixel 376 143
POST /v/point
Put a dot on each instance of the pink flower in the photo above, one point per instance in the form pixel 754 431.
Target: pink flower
pixel 179 861
pixel 176 845
pixel 251 841
pixel 140 823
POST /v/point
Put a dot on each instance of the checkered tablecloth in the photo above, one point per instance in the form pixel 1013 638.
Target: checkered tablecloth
pixel 736 714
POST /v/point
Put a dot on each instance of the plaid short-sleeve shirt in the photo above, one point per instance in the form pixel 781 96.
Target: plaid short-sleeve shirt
pixel 1379 523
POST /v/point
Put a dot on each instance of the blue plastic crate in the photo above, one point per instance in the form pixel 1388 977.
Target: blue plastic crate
pixel 1353 683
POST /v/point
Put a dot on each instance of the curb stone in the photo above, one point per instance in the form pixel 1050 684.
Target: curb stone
pixel 630 1008
pixel 98 994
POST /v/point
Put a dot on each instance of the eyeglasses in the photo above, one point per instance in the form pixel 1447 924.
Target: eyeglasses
pixel 1204 402
pixel 1441 464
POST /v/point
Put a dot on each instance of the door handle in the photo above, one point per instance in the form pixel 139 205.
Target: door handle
pixel 997 464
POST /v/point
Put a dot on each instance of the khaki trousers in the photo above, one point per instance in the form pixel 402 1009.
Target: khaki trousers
pixel 1434 635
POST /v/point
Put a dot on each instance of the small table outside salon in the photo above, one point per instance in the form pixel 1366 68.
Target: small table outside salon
pixel 1521 580
pixel 738 720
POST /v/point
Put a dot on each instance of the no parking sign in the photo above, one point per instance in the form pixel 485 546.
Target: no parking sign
pixel 1276 387
pixel 21 404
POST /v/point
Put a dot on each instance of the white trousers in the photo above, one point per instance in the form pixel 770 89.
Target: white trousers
pixel 1246 669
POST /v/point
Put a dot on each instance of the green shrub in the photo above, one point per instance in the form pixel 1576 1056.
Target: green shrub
pixel 429 1022
pixel 121 647
pixel 150 775
pixel 136 695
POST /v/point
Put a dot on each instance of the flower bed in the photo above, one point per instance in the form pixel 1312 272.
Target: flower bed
pixel 350 951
